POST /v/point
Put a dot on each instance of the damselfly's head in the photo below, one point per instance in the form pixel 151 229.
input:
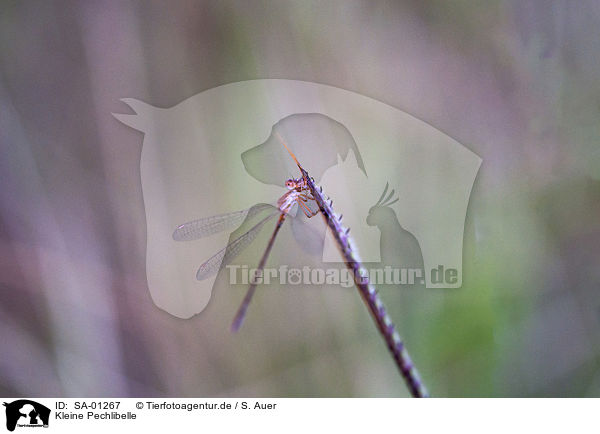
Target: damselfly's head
pixel 295 184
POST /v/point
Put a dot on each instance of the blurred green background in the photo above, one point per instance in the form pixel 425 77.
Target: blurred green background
pixel 517 82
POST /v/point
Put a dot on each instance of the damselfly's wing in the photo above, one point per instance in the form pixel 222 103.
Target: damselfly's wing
pixel 207 226
pixel 231 251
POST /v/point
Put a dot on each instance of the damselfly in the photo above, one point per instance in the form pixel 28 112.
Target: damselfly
pixel 303 191
pixel 298 194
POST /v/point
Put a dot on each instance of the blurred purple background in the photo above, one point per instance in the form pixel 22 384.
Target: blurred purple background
pixel 518 82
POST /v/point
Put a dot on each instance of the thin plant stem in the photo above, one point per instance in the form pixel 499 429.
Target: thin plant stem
pixel 368 292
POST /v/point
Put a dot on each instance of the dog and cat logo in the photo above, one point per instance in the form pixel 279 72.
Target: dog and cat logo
pixel 26 413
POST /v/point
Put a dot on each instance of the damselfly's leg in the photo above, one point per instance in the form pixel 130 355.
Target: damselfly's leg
pixel 302 199
pixel 306 195
pixel 305 209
